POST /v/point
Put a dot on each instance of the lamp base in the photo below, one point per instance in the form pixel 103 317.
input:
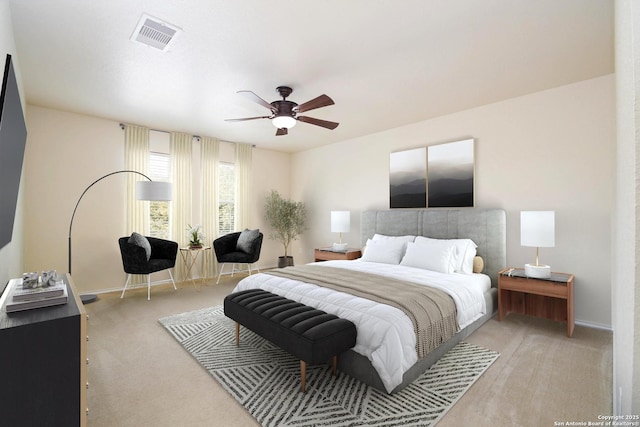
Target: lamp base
pixel 537 271
pixel 340 247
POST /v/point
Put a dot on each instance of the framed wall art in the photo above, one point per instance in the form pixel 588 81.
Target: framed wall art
pixel 450 174
pixel 408 179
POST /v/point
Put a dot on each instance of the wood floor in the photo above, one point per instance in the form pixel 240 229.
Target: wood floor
pixel 140 376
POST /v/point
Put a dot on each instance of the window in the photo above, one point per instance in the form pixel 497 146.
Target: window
pixel 226 198
pixel 159 170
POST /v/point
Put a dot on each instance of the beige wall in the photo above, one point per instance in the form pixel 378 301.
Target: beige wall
pixel 11 255
pixel 552 150
pixel 271 171
pixel 66 152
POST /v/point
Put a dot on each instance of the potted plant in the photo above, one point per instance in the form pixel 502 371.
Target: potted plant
pixel 287 219
pixel 195 236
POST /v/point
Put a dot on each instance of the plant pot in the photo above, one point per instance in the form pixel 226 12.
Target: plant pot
pixel 195 246
pixel 285 261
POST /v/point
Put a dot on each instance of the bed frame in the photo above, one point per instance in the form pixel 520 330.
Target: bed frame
pixel 486 227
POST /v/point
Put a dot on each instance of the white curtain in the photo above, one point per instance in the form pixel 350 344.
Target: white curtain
pixel 136 158
pixel 243 186
pixel 209 157
pixel 180 152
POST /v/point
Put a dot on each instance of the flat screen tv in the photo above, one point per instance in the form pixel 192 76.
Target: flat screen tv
pixel 13 137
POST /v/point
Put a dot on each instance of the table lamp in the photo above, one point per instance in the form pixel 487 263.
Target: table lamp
pixel 340 223
pixel 537 229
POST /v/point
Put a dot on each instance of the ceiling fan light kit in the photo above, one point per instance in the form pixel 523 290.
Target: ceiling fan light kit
pixel 284 114
pixel 283 122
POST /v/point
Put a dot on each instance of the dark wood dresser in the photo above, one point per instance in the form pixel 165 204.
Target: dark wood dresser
pixel 43 364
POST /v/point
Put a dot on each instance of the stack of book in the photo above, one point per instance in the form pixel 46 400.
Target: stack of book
pixel 20 298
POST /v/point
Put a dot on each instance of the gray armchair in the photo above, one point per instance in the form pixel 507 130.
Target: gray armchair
pixel 146 255
pixel 238 248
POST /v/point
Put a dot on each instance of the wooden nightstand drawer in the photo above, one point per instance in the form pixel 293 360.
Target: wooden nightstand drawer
pixel 328 254
pixel 534 286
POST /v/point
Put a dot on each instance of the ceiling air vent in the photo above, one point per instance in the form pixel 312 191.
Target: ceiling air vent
pixel 155 33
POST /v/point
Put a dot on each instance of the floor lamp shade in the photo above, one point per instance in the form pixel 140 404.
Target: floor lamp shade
pixel 537 229
pixel 340 223
pixel 153 190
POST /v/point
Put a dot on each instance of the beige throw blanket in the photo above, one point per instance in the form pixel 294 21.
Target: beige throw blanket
pixel 432 311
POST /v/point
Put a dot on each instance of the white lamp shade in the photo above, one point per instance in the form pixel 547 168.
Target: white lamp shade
pixel 153 190
pixel 537 229
pixel 286 122
pixel 340 221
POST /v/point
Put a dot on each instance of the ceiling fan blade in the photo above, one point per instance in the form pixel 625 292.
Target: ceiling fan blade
pixel 321 101
pixel 246 118
pixel 318 122
pixel 255 98
pixel 281 131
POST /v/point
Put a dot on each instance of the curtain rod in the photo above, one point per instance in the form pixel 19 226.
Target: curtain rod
pixel 122 125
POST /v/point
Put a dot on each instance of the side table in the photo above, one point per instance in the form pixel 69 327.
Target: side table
pixel 550 298
pixel 190 256
pixel 327 254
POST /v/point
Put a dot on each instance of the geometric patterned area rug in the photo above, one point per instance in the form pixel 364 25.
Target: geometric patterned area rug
pixel 266 380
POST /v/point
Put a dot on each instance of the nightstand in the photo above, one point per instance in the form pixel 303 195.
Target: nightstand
pixel 548 298
pixel 326 254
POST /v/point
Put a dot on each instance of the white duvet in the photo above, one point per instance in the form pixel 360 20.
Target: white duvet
pixel 385 333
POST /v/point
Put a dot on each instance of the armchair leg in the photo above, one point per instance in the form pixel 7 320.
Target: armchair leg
pixel 148 287
pixel 172 281
pixel 255 268
pixel 248 270
pixel 125 285
pixel 220 272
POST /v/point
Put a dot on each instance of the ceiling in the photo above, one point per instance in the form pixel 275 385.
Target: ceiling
pixel 385 63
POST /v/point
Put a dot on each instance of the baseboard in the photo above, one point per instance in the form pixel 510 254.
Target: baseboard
pixel 160 282
pixel 594 325
pixel 137 286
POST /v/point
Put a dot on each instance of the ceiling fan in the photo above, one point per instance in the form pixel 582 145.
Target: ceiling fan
pixel 284 114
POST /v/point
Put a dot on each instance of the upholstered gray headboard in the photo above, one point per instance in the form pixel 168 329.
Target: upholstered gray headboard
pixel 486 227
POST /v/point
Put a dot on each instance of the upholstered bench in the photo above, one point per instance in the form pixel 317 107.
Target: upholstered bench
pixel 311 335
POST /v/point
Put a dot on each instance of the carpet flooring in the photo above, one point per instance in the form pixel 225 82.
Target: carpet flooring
pixel 265 380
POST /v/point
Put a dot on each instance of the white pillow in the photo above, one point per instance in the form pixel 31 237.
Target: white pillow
pixel 433 256
pixel 427 241
pixel 384 251
pixel 463 254
pixel 469 255
pixel 405 239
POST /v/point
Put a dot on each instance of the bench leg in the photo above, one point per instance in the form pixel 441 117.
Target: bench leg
pixel 303 372
pixel 237 334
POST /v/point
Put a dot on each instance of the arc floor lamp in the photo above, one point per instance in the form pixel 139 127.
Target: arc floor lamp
pixel 145 190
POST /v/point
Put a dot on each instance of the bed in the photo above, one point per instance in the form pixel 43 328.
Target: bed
pixel 386 352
